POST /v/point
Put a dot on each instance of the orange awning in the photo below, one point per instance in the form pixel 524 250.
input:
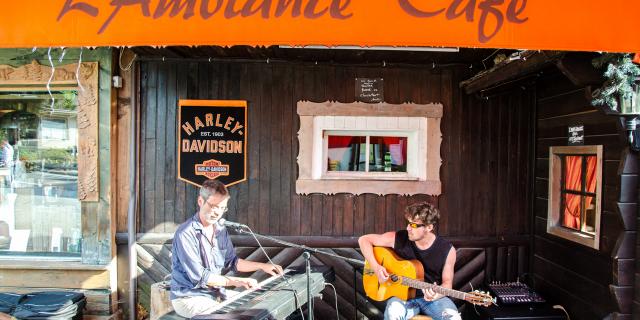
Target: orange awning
pixel 587 25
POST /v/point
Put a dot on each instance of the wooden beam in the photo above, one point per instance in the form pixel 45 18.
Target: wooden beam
pixel 577 67
pixel 328 242
pixel 625 246
pixel 627 212
pixel 628 163
pixel 622 298
pixel 623 272
pixel 530 62
pixel 76 279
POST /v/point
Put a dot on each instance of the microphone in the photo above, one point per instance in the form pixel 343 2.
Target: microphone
pixel 226 223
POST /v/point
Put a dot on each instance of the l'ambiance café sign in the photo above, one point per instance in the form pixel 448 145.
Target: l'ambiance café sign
pixel 212 141
pixel 530 24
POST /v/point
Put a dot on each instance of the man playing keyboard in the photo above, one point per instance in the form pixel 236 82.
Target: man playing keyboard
pixel 201 250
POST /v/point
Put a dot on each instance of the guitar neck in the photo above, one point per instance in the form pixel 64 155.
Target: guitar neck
pixel 438 289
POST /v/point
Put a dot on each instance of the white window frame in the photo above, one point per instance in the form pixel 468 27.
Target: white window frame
pixel 419 123
pixel 554 216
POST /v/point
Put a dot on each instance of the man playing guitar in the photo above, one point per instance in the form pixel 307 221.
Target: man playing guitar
pixel 417 242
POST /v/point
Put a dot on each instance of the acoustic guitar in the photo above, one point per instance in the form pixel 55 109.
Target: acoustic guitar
pixel 405 276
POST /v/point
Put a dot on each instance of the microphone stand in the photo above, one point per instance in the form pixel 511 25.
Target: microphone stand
pixel 306 255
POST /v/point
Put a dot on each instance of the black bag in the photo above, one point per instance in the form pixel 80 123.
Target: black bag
pixel 9 301
pixel 51 305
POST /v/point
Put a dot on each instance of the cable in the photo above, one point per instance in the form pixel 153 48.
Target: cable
pixel 335 292
pixel 53 70
pixel 128 67
pixel 78 71
pixel 286 280
pixel 557 306
pixel 488 57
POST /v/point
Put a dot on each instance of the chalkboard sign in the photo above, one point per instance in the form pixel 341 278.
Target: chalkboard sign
pixel 576 135
pixel 370 90
pixel 212 141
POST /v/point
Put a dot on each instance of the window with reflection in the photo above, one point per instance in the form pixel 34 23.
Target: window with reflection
pixel 39 206
pixel 366 152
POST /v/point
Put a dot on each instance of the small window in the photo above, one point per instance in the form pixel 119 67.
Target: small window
pixel 372 153
pixel 369 148
pixel 575 179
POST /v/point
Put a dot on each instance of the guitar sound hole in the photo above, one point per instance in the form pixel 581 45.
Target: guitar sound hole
pixel 394 278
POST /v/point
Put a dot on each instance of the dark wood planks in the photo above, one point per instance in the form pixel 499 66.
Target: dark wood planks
pixel 575 276
pixel 481 141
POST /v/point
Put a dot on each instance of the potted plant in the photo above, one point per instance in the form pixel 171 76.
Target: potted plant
pixel 620 91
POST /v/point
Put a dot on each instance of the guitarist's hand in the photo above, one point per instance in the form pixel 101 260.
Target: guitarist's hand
pixel 382 274
pixel 431 295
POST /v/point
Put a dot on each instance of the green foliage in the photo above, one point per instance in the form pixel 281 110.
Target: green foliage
pixel 56 155
pixel 49 154
pixel 50 157
pixel 28 154
pixel 620 75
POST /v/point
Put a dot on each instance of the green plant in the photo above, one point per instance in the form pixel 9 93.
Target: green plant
pixel 621 76
pixel 56 155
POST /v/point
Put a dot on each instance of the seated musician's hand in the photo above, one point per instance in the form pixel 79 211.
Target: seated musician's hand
pixel 272 269
pixel 247 283
pixel 382 274
pixel 429 294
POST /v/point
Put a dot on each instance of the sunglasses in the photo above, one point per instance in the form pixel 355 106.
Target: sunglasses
pixel 414 225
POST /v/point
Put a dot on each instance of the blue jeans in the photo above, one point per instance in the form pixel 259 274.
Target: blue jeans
pixel 441 309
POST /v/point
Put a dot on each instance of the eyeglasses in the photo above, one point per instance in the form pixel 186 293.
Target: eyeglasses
pixel 216 207
pixel 414 225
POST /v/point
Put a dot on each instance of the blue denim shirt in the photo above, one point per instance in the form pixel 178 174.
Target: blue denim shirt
pixel 189 273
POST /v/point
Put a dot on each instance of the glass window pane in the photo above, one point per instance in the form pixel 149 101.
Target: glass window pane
pixel 39 206
pixel 388 154
pixel 589 215
pixel 573 173
pixel 571 211
pixel 346 153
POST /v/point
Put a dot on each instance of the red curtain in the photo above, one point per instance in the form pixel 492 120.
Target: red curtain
pixel 573 181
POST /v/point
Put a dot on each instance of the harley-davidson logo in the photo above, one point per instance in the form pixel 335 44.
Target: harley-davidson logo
pixel 212 169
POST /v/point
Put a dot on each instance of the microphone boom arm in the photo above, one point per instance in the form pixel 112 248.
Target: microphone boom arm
pixel 299 246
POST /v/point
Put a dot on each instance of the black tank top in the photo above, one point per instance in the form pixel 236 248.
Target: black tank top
pixel 432 259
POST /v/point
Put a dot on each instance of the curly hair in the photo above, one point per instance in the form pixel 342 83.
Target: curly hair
pixel 211 187
pixel 423 211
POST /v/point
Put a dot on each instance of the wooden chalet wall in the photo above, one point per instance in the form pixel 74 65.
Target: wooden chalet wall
pixel 486 171
pixel 485 148
pixel 590 284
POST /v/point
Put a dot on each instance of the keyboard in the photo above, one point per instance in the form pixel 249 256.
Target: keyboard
pixel 275 298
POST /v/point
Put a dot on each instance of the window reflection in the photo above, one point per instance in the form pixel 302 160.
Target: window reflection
pixel 349 153
pixel 39 206
pixel 346 153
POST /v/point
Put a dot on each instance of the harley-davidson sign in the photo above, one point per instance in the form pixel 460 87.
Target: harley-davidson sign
pixel 212 141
